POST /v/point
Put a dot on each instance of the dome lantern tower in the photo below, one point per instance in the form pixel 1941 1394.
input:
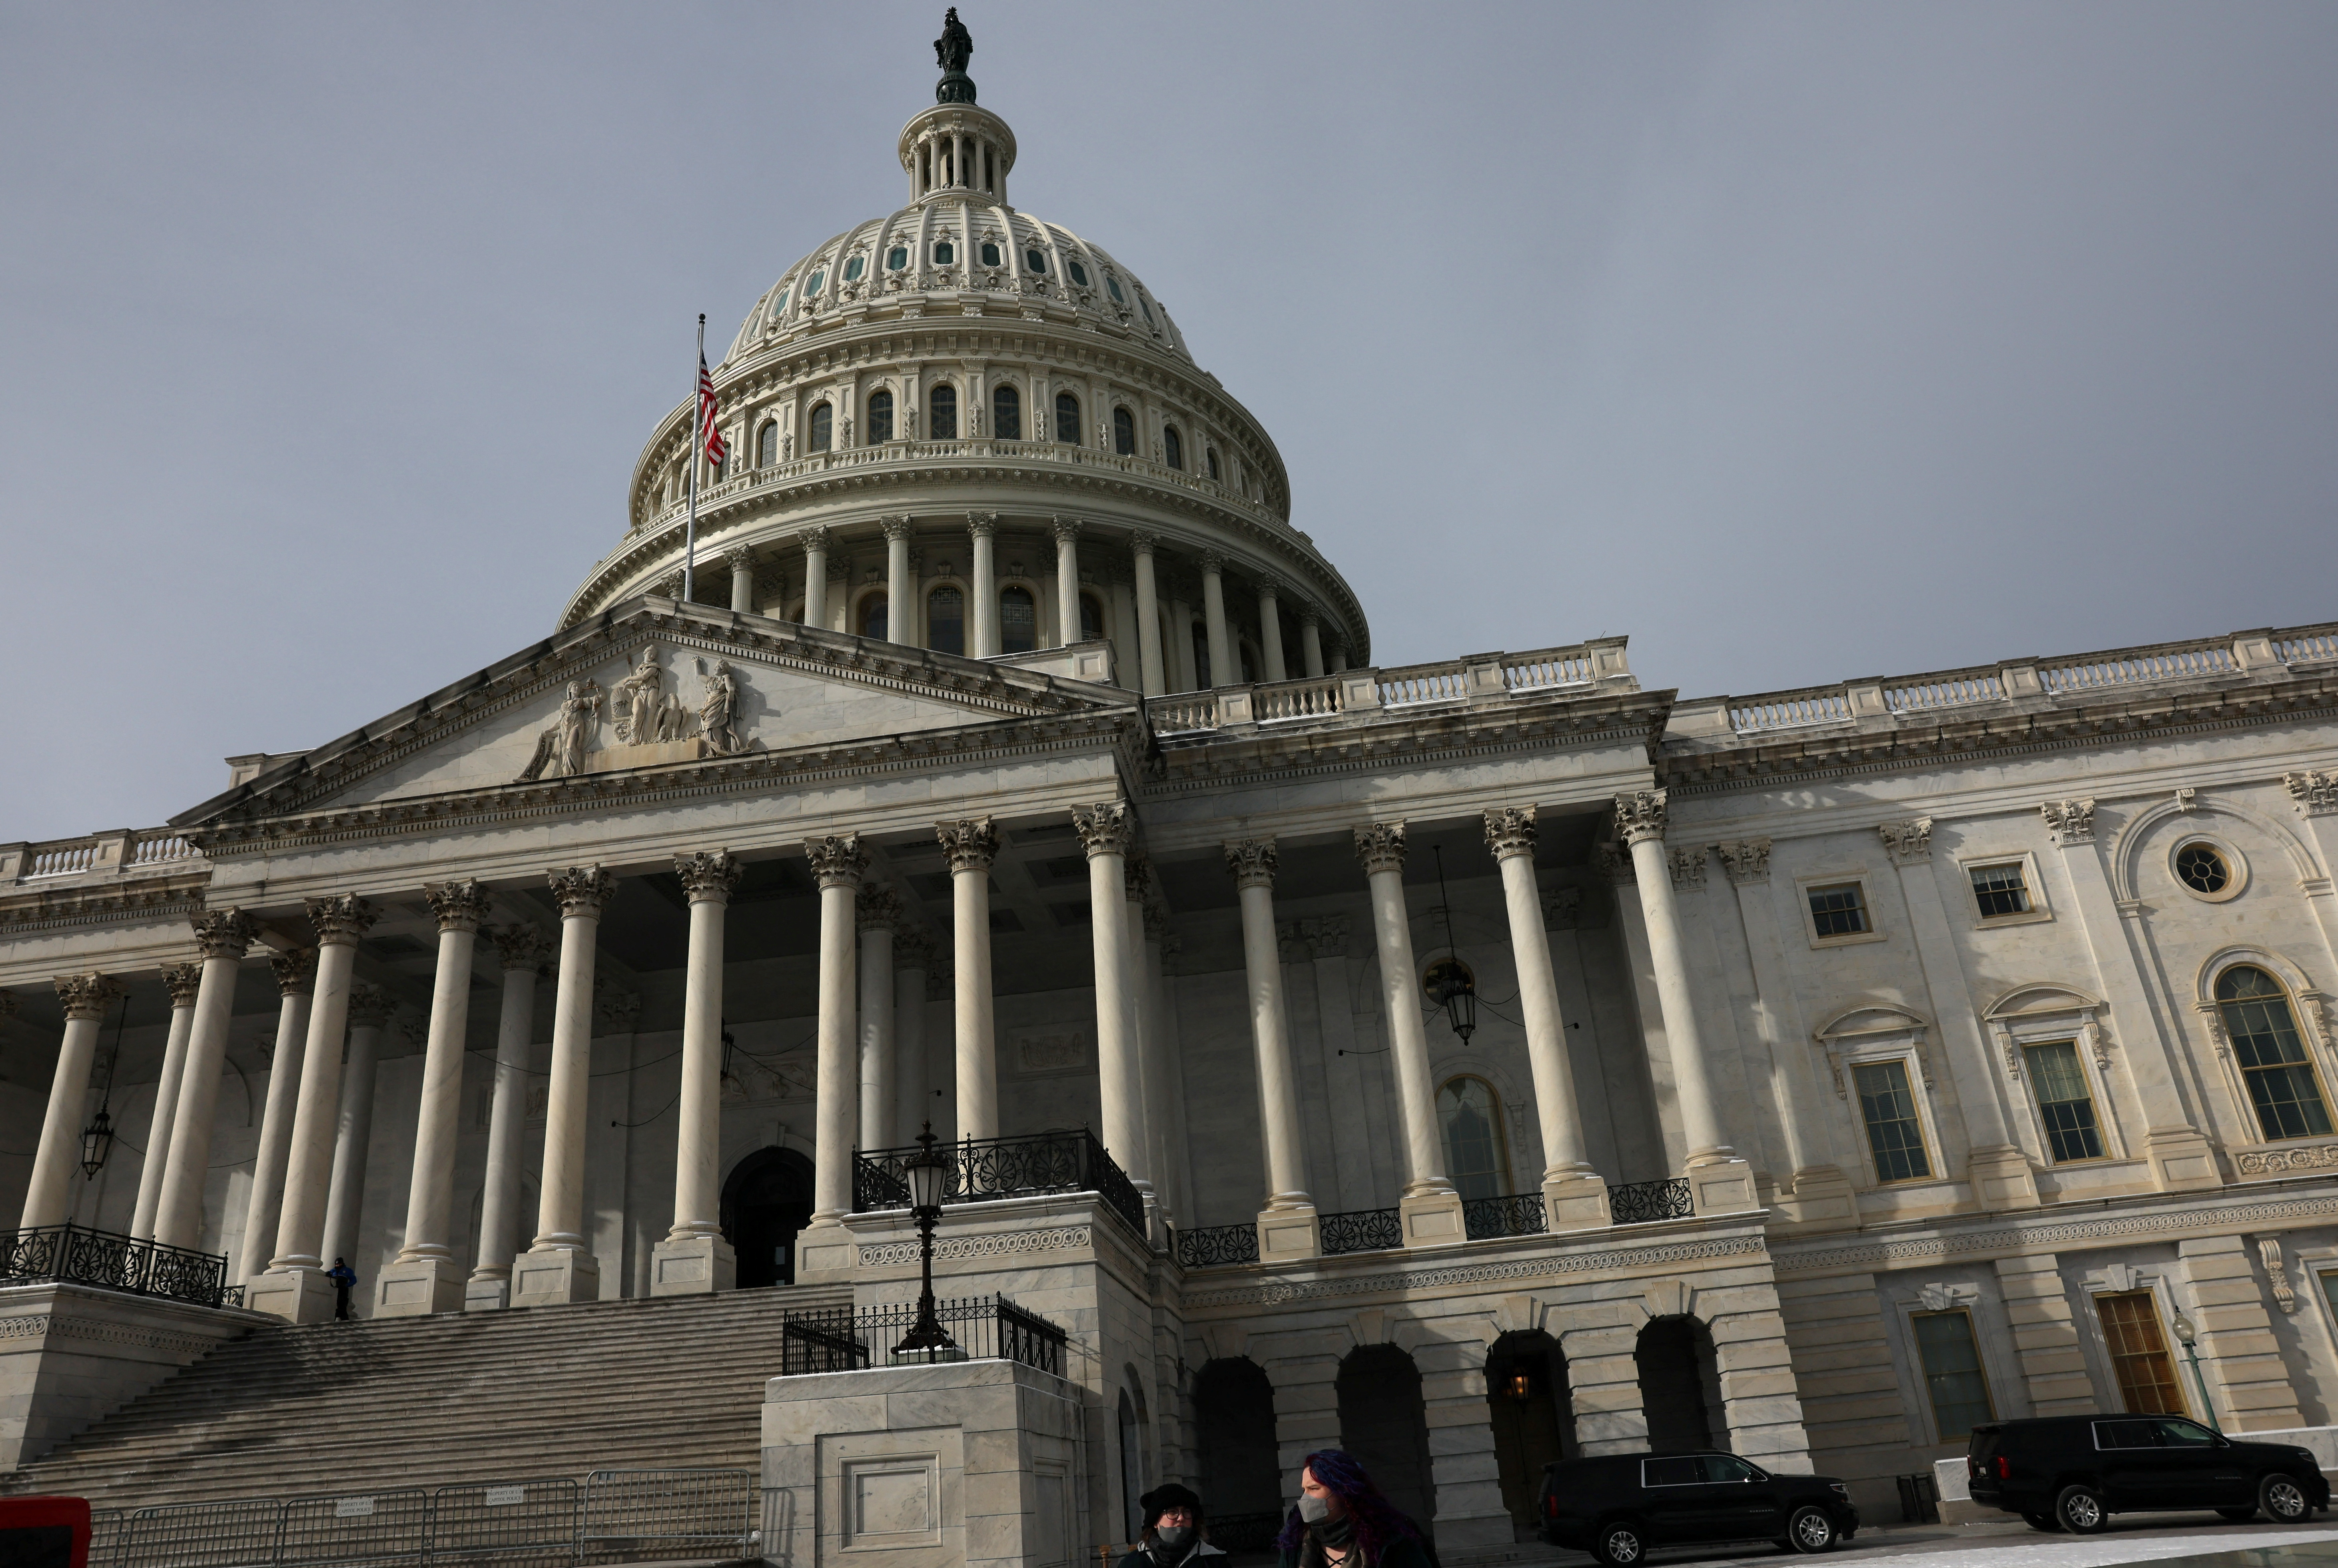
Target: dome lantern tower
pixel 956 150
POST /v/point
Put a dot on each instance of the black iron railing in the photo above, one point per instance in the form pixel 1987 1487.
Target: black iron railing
pixel 1518 1214
pixel 1071 1161
pixel 985 1328
pixel 1360 1231
pixel 76 1255
pixel 1638 1202
pixel 1216 1244
pixel 1245 1532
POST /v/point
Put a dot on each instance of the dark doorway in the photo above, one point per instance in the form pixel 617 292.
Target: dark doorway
pixel 1233 1420
pixel 1680 1386
pixel 1533 1418
pixel 1383 1423
pixel 766 1201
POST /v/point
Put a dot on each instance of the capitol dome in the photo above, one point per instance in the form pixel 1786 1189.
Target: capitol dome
pixel 980 417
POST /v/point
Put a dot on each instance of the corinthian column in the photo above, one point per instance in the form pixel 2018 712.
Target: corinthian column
pixel 971 843
pixel 815 548
pixel 48 1201
pixel 900 606
pixel 558 1267
pixel 878 910
pixel 222 938
pixel 371 1010
pixel 1430 1208
pixel 1067 582
pixel 838 864
pixel 1270 629
pixel 1310 641
pixel 184 980
pixel 296 979
pixel 523 952
pixel 741 561
pixel 1573 1196
pixel 1225 670
pixel 913 960
pixel 1719 1181
pixel 1154 676
pixel 426 1277
pixel 695 1259
pixel 295 1286
pixel 1286 1227
pixel 981 528
pixel 1106 832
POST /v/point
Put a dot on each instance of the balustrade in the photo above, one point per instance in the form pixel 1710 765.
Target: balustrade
pixel 1313 698
pixel 1790 711
pixel 987 1168
pixel 2311 649
pixel 1643 1202
pixel 1360 1231
pixel 1216 1244
pixel 1924 696
pixel 2139 669
pixel 77 1255
pixel 1489 1218
pixel 1422 683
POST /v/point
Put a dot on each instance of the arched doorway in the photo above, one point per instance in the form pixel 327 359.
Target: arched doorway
pixel 765 1201
pixel 1234 1422
pixel 1532 1418
pixel 1131 1470
pixel 1384 1424
pixel 1680 1386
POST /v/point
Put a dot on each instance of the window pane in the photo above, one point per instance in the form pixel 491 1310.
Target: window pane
pixel 1091 619
pixel 2000 890
pixel 2146 1377
pixel 2116 1434
pixel 1473 1151
pixel 1068 418
pixel 1838 911
pixel 881 417
pixel 1079 274
pixel 2201 868
pixel 944 253
pixel 898 257
pixel 1212 453
pixel 941 410
pixel 1007 414
pixel 1123 433
pixel 2173 1432
pixel 1018 621
pixel 1952 1373
pixel 1683 1471
pixel 767 445
pixel 2272 1053
pixel 823 428
pixel 1726 1468
pixel 2064 1103
pixel 946 620
pixel 1892 1131
pixel 852 268
pixel 989 253
pixel 1174 445
pixel 1036 259
pixel 872 616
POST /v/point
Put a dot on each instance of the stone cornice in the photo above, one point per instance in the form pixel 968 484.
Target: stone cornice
pixel 172 896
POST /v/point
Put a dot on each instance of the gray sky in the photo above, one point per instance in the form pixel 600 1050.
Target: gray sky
pixel 1798 342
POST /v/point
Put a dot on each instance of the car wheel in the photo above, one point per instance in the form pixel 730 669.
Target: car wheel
pixel 2080 1510
pixel 2044 1522
pixel 2282 1500
pixel 2237 1516
pixel 1810 1529
pixel 1619 1545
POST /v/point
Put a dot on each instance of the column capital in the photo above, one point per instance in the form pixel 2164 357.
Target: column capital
pixel 225 933
pixel 296 973
pixel 459 905
pixel 812 539
pixel 1067 529
pixel 1252 862
pixel 1687 867
pixel 2316 792
pixel 1908 842
pixel 913 947
pixel 1746 860
pixel 708 876
pixel 1381 847
pixel 520 947
pixel 879 909
pixel 183 979
pixel 582 890
pixel 1105 828
pixel 970 842
pixel 898 526
pixel 370 1006
pixel 1212 564
pixel 87 996
pixel 1309 616
pixel 1156 925
pixel 739 558
pixel 837 861
pixel 1267 585
pixel 1640 814
pixel 1510 830
pixel 1144 543
pixel 982 525
pixel 1136 873
pixel 341 920
pixel 2069 821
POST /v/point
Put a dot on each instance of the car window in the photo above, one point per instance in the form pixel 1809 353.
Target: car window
pixel 1729 1468
pixel 2177 1433
pixel 1679 1472
pixel 2126 1435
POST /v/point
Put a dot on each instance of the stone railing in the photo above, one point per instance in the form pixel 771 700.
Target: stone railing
pixel 1487 677
pixel 95 854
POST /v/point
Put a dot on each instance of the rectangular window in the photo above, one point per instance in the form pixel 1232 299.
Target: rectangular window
pixel 2330 1290
pixel 1839 910
pixel 2000 890
pixel 1893 1133
pixel 2064 1103
pixel 1952 1374
pixel 2140 1358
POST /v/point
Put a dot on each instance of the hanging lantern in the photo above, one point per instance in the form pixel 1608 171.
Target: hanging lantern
pixel 1521 1385
pixel 1451 986
pixel 96 1143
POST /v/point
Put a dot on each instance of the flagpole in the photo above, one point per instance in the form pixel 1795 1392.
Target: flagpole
pixel 697 413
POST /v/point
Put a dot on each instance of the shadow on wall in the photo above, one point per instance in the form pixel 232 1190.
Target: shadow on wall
pixel 1680 1386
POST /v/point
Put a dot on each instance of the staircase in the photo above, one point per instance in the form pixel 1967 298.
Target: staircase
pixel 534 1391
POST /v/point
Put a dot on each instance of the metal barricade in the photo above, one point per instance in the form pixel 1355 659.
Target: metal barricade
pixel 105 1536
pixel 508 1523
pixel 392 1526
pixel 202 1534
pixel 642 1515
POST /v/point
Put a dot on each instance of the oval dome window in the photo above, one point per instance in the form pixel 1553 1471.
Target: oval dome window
pixel 1036 259
pixel 944 253
pixel 852 268
pixel 1113 283
pixel 1079 274
pixel 898 257
pixel 990 254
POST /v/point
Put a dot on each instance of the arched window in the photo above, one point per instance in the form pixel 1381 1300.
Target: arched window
pixel 1212 453
pixel 767 445
pixel 945 254
pixel 1091 618
pixel 2272 1053
pixel 1018 621
pixel 1477 1154
pixel 1201 682
pixel 941 413
pixel 881 417
pixel 990 257
pixel 1007 413
pixel 823 427
pixel 852 268
pixel 1068 418
pixel 946 620
pixel 874 620
pixel 1174 445
pixel 1124 432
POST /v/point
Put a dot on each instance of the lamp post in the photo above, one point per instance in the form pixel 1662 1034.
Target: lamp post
pixel 2185 1334
pixel 929 1172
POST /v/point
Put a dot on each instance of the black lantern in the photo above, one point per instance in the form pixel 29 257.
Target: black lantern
pixel 96 1143
pixel 928 1174
pixel 1519 1386
pixel 1450 986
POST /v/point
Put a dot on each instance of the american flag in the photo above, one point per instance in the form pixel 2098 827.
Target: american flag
pixel 716 450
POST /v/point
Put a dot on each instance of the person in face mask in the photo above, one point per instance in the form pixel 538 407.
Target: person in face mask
pixel 1342 1520
pixel 1173 1530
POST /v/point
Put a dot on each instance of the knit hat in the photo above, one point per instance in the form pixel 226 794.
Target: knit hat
pixel 1165 1496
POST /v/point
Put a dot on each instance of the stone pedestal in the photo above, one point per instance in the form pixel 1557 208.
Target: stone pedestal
pixel 419 1286
pixel 1721 1187
pixel 1821 1198
pixel 2002 1178
pixel 1285 1234
pixel 1431 1219
pixel 554 1279
pixel 73 1354
pixel 825 1251
pixel 486 1293
pixel 693 1266
pixel 1575 1203
pixel 2181 1159
pixel 295 1295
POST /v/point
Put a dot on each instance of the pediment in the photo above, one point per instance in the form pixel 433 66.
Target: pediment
pixel 1870 1018
pixel 662 685
pixel 2043 998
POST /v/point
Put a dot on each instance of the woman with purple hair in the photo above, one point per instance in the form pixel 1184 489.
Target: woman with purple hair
pixel 1342 1520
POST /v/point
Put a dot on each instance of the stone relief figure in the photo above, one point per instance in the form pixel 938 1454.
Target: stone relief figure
pixel 954 47
pixel 560 750
pixel 634 705
pixel 718 711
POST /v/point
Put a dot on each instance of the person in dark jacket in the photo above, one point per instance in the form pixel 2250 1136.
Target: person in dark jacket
pixel 343 1277
pixel 1174 1531
pixel 1342 1520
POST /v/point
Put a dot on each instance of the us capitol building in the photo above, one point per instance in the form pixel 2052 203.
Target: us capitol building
pixel 1470 1064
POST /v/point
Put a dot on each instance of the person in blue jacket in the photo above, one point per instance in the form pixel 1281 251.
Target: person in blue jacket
pixel 344 1278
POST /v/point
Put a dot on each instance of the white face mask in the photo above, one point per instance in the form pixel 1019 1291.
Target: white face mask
pixel 1314 1510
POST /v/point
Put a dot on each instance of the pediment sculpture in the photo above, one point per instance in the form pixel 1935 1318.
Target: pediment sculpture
pixel 648 720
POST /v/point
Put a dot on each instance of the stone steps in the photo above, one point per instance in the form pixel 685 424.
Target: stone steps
pixel 340 1407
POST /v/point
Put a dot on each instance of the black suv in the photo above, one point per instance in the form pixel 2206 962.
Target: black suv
pixel 1618 1507
pixel 2074 1471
